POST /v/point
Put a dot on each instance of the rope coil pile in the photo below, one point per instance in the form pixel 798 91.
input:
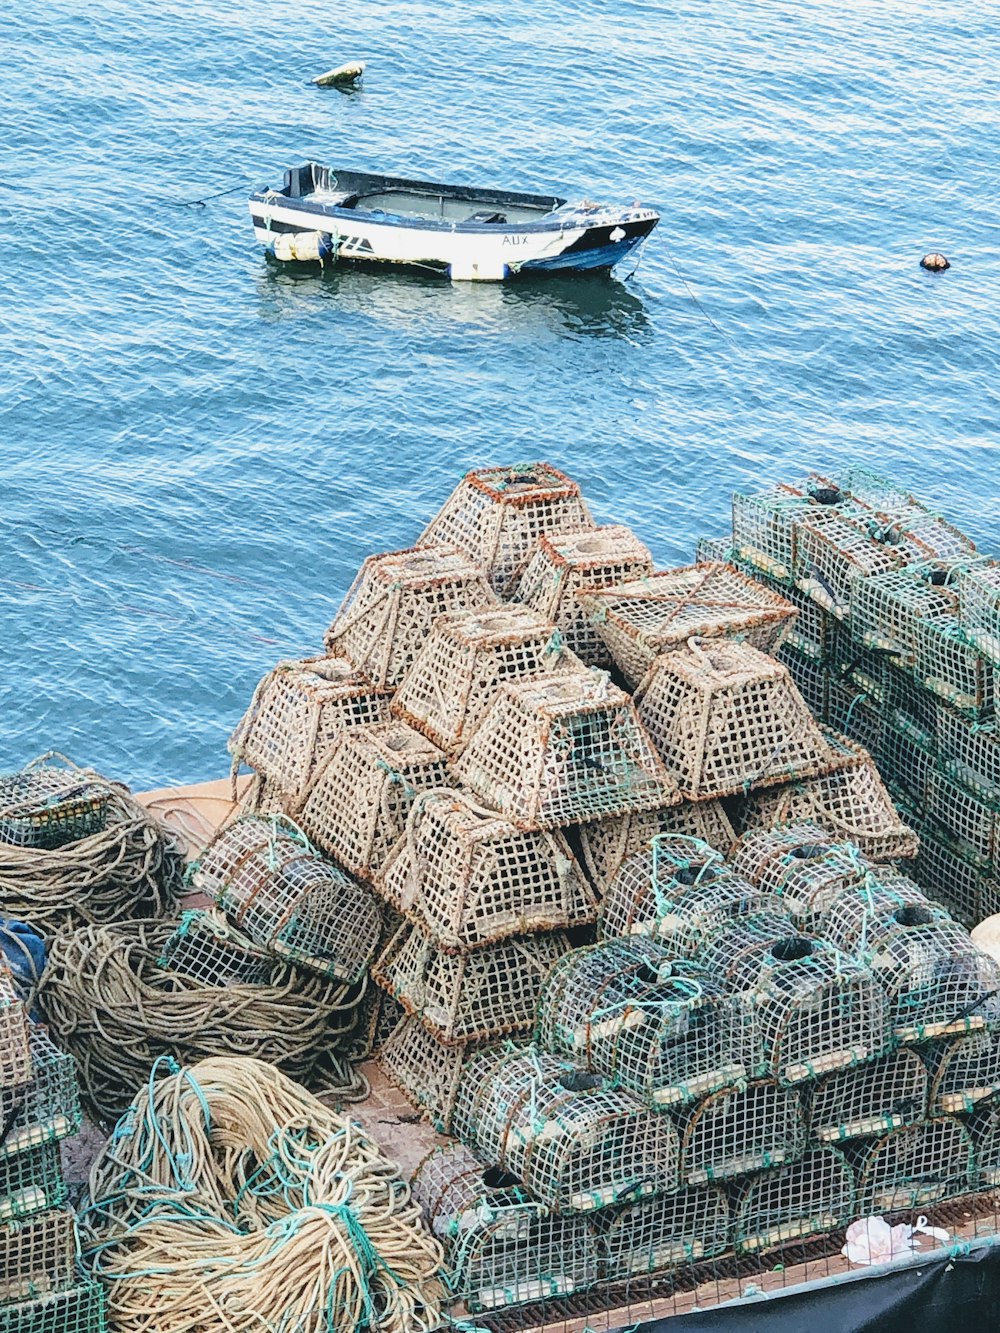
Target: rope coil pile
pixel 230 1200
pixel 112 1005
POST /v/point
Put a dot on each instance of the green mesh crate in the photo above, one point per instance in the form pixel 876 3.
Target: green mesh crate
pixel 81 1309
pixel 30 1182
pixel 46 1108
pixel 953 667
pixel 37 1256
pixel 46 806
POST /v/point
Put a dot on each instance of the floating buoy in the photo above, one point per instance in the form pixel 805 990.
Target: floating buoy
pixel 304 246
pixel 936 263
pixel 342 76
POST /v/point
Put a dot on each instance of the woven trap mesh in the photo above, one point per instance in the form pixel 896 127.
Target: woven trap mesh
pixel 468 877
pixel 48 806
pixel 297 712
pixel 984 1130
pixel 660 1027
pixel 207 948
pixel 953 875
pixel 467 657
pixel 809 676
pixel 726 717
pixel 30 1182
pixel 502 1247
pixel 393 602
pixel 566 562
pixel 886 1093
pixel 905 755
pixel 487 993
pixel 284 897
pixel 681 891
pixel 577 1142
pixel 886 608
pixel 912 1167
pixel 427 1072
pixel 765 522
pixel 15 1048
pixel 45 1108
pixel 563 749
pixel 799 864
pixel 972 821
pixel 738 1130
pixel 971 751
pixel 79 1309
pixel 952 667
pixel 659 612
pixel 810 1197
pixel 979 601
pixel 497 515
pixel 834 553
pixel 606 844
pixel 964 1071
pixel 359 802
pixel 661 1234
pixel 37 1256
pixel 850 802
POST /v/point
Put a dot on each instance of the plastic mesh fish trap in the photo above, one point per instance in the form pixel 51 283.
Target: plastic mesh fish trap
pixel 984 1129
pixel 979 602
pixel 563 749
pixel 850 801
pixel 810 1197
pixel 802 866
pixel 739 1130
pixel 765 523
pixel 912 1167
pixel 951 666
pixel 79 1309
pixel 297 712
pixel 681 891
pixel 972 821
pixel 497 515
pixel 30 1182
pixel 15 1048
pixel 905 755
pixel 953 875
pixel 566 562
pixel 606 844
pixel 886 608
pixel 468 877
pixel 467 657
pixel 577 1142
pixel 359 803
pixel 872 1098
pixel 45 1108
pixel 809 676
pixel 654 614
pixel 502 1247
pixel 392 603
pixel 37 1256
pixel 854 714
pixel 971 752
pixel 425 1071
pixel 284 897
pixel 486 993
pixel 833 554
pixel 662 1028
pixel 964 1071
pixel 664 1233
pixel 207 948
pixel 48 806
pixel 726 718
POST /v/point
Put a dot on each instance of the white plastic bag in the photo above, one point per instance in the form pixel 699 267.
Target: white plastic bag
pixel 871 1240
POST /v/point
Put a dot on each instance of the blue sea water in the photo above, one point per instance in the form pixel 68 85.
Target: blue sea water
pixel 198 447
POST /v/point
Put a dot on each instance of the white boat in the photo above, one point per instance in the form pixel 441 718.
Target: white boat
pixel 467 234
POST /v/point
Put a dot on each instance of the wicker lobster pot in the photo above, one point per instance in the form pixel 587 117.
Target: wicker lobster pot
pixel 576 1142
pixel 358 805
pixel 427 1072
pixel 727 718
pixel 914 1167
pixel 801 866
pixel 47 1107
pixel 502 1247
pixel 393 602
pixel 606 844
pixel 497 515
pixel 738 1130
pixel 664 1029
pixel 964 1071
pixel 810 1197
pixel 469 877
pixel 872 1098
pixel 659 1235
pixel 563 749
pixel 15 1046
pixel 468 655
pixel 37 1256
pixel 659 612
pixel 288 900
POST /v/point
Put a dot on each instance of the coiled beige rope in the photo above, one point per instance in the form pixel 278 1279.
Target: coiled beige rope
pixel 230 1200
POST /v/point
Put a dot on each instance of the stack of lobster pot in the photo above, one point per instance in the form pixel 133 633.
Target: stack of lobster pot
pixel 40 1287
pixel 897 645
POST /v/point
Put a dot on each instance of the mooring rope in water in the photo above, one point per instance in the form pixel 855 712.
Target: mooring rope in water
pixel 230 1200
pixel 110 1003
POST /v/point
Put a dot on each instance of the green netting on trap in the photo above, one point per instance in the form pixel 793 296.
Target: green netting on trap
pixel 953 668
pixel 682 892
pixel 461 997
pixel 984 1129
pixel 964 1071
pixel 714 550
pixel 663 1028
pixel 973 821
pixel 953 875
pixel 574 1140
pixel 80 1309
pixel 280 893
pixel 886 608
pixel 727 718
pixel 802 866
pixel 469 877
pixel 834 553
pixel 30 1182
pixel 427 1072
pixel 971 752
pixel 739 1130
pixel 565 563
pixel 358 805
pixel 49 804
pixel 606 844
pixel 913 1167
pixel 502 1247
pixel 467 657
pixel 810 1197
pixel 497 515
pixel 45 1108
pixel 883 1094
pixel 207 948
pixel 393 602
pixel 809 676
pixel 556 750
pixel 979 602
pixel 853 713
pixel 659 1235
pixel 905 754
pixel 15 1048
pixel 37 1256
pixel 765 523
pixel 297 712
pixel 643 617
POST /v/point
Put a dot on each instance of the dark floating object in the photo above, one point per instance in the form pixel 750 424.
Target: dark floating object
pixel 935 263
pixel 342 76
